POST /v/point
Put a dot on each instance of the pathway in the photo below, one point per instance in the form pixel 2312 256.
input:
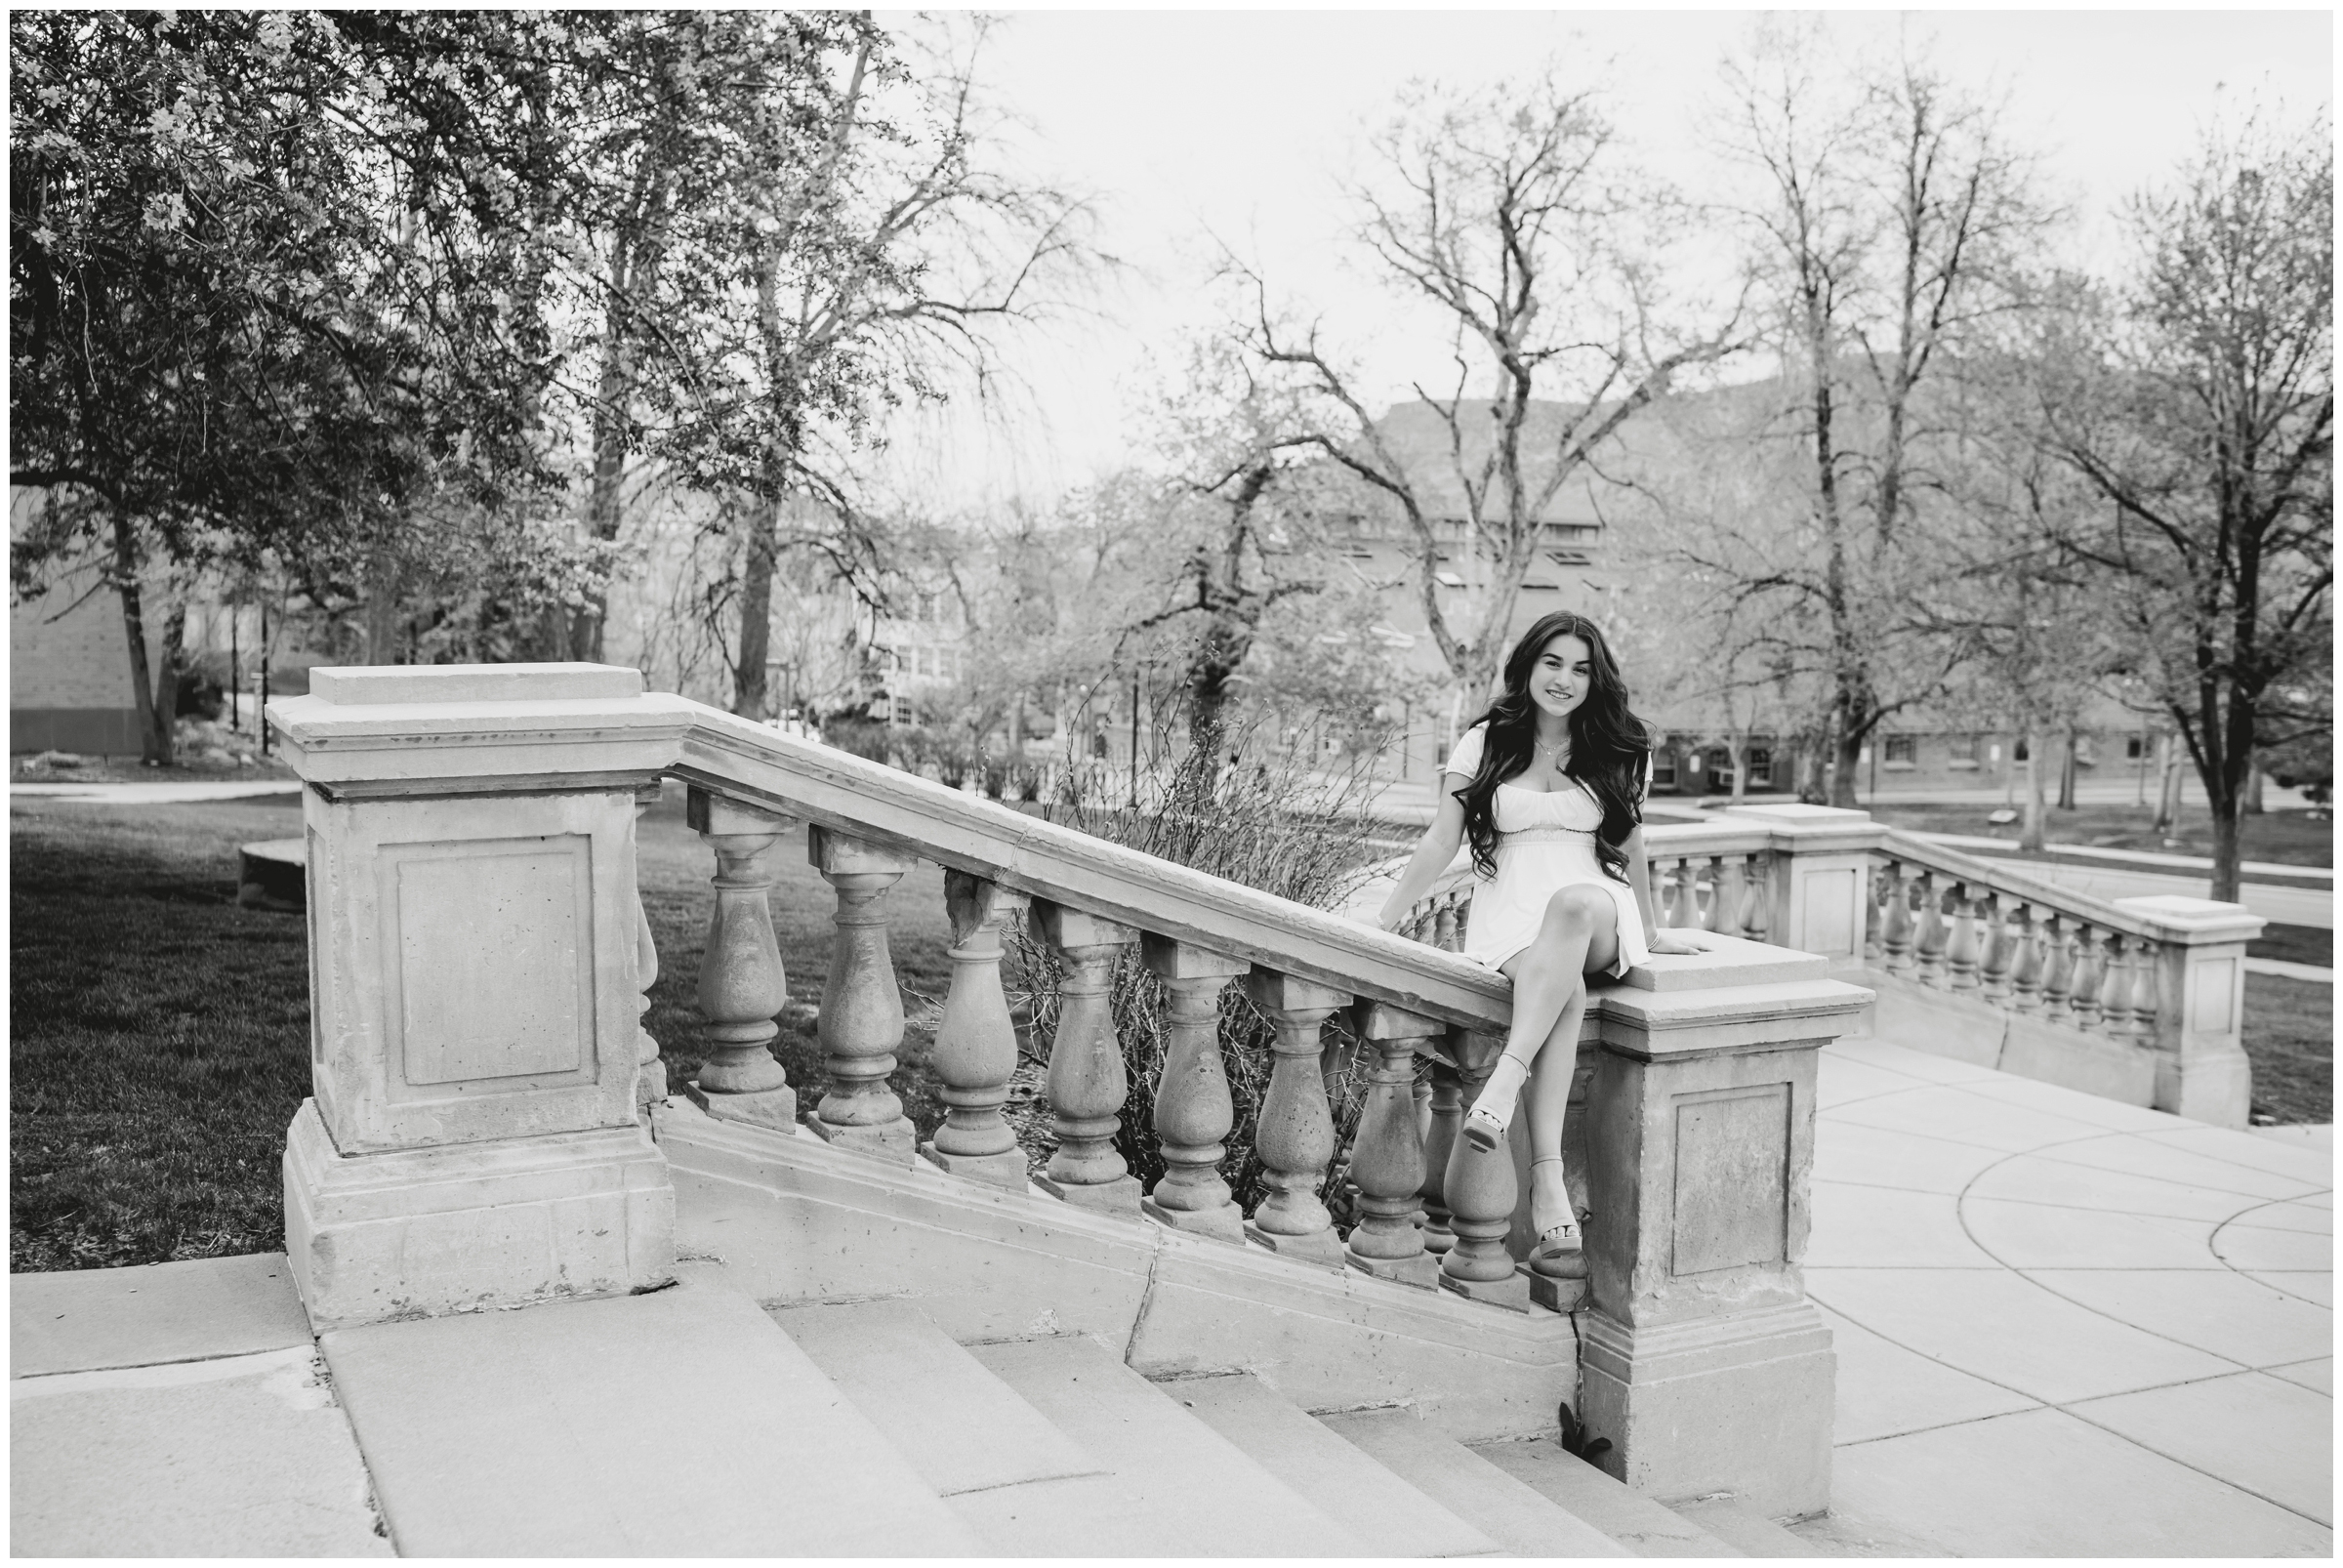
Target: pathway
pixel 2067 1326
pixel 99 793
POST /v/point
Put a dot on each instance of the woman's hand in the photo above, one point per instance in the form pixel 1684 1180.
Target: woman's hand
pixel 1662 942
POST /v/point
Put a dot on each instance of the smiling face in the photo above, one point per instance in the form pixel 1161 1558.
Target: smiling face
pixel 1561 676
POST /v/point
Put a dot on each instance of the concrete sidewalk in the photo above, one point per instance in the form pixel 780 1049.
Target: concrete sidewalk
pixel 98 792
pixel 2068 1327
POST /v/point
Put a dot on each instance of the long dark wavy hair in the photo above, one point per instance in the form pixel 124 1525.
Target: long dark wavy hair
pixel 1609 746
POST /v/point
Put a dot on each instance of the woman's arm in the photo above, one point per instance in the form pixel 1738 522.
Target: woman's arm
pixel 1639 877
pixel 1432 856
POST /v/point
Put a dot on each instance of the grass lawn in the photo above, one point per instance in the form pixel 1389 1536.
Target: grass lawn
pixel 158 1040
pixel 159 1034
pixel 2282 838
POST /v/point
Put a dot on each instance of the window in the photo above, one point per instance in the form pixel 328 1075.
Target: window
pixel 2135 747
pixel 1902 751
pixel 1664 769
pixel 1962 749
pixel 1538 585
pixel 1761 768
pixel 1568 558
pixel 2022 754
pixel 1448 579
pixel 2085 754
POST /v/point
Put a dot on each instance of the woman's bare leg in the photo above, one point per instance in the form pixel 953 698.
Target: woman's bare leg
pixel 1548 1105
pixel 1580 932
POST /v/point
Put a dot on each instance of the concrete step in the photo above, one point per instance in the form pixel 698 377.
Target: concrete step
pixel 1522 1520
pixel 1748 1529
pixel 1017 1482
pixel 1645 1527
pixel 681 1422
pixel 1395 1518
pixel 1181 1489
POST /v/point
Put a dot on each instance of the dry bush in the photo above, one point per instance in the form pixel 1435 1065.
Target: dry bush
pixel 1269 820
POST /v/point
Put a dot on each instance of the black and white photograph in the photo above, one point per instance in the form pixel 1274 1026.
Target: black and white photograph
pixel 1089 783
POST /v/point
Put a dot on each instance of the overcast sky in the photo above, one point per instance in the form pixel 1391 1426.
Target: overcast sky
pixel 1189 125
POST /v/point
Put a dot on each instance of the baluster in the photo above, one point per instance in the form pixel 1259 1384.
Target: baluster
pixel 2115 988
pixel 1295 1132
pixel 1483 1191
pixel 650 1073
pixel 2147 1003
pixel 1444 923
pixel 1439 1137
pixel 1928 941
pixel 1087 1079
pixel 1733 894
pixel 2026 960
pixel 1875 927
pixel 1663 892
pixel 862 1007
pixel 1387 1162
pixel 1463 896
pixel 741 984
pixel 2000 947
pixel 1961 941
pixel 2058 966
pixel 975 1039
pixel 1897 927
pixel 1756 885
pixel 1193 1110
pixel 2082 989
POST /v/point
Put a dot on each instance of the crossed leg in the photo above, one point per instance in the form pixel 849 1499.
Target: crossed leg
pixel 1578 934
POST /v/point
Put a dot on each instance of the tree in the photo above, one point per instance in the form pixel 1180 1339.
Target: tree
pixel 1503 208
pixel 1887 235
pixel 881 264
pixel 2198 405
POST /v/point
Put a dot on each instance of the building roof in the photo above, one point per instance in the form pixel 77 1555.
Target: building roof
pixel 1418 438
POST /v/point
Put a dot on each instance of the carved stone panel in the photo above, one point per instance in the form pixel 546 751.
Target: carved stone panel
pixel 494 972
pixel 1732 1176
pixel 1828 896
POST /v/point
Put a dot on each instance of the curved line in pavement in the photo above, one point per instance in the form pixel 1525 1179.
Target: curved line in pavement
pixel 2213 1244
pixel 2039 1403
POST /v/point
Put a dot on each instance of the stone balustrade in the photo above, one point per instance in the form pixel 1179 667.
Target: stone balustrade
pixel 477 1138
pixel 2139 999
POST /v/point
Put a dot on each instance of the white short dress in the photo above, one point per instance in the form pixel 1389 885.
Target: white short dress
pixel 1544 842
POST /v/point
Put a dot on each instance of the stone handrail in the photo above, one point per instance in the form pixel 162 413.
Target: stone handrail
pixel 480 958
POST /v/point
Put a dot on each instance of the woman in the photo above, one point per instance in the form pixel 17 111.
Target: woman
pixel 1547 788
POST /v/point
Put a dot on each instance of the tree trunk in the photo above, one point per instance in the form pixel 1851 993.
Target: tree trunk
pixel 2029 836
pixel 749 697
pixel 2253 794
pixel 1736 746
pixel 382 609
pixel 1849 755
pixel 170 674
pixel 2168 785
pixel 2228 838
pixel 2066 772
pixel 154 729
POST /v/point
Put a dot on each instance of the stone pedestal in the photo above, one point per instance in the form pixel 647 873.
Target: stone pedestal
pixel 1704 1363
pixel 473 1140
pixel 2201 1066
pixel 1818 896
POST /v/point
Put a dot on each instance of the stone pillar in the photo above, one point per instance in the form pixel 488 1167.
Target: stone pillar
pixel 1388 1158
pixel 862 1007
pixel 1088 1082
pixel 976 1041
pixel 1442 1115
pixel 1296 1130
pixel 473 1137
pixel 1701 1359
pixel 1816 891
pixel 2197 1031
pixel 741 981
pixel 1193 1108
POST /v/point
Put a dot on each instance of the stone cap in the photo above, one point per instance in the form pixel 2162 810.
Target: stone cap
pixel 2195 922
pixel 360 684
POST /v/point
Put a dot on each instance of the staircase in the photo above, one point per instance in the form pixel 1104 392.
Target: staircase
pixel 691 1422
pixel 541 1269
